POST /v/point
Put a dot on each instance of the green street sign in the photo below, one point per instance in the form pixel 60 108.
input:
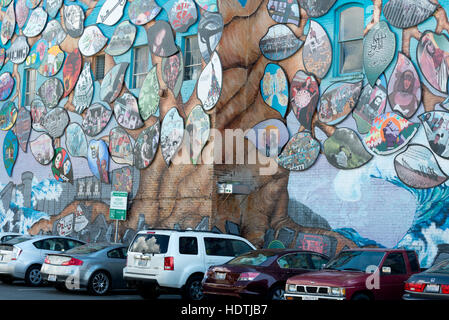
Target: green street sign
pixel 118 205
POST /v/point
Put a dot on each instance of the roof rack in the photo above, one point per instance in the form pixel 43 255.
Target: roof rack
pixel 182 230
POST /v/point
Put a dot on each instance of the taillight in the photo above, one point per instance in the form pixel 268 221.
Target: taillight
pixel 248 276
pixel 73 262
pixel 445 288
pixel 17 253
pixel 47 261
pixel 415 287
pixel 169 263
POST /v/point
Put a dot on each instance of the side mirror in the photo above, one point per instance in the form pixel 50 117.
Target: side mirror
pixel 386 270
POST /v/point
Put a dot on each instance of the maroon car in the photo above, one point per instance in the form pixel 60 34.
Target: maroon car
pixel 260 273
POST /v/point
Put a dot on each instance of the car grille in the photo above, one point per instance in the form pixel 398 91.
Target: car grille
pixel 312 289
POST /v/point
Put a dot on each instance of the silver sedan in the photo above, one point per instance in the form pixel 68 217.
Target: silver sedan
pixel 95 266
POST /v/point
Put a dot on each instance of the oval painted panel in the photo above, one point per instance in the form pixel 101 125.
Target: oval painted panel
pixel 91 41
pixel 112 83
pixel 338 101
pixel 269 137
pixel 42 149
pixel 408 13
pixel 274 88
pixel 22 12
pixel 379 47
pixel 146 146
pixel 149 95
pixel 36 23
pixel 121 146
pixel 8 24
pixel 317 52
pixel 404 88
pixel 208 5
pixel 172 134
pixel 111 12
pixel 84 89
pixel 126 112
pixel 22 128
pixel 316 8
pixel 305 94
pixel 51 92
pixel 210 30
pixel 284 11
pixel 198 130
pixel 38 110
pixel 71 70
pixel 173 72
pixel 300 153
pixel 279 43
pixel 31 4
pixel 52 62
pixel 95 119
pixel 418 168
pixel 389 133
pixel 345 150
pixel 5 3
pixel 122 39
pixel 53 33
pixel 55 122
pixel 432 54
pixel 75 140
pixel 8 115
pixel 142 11
pixel 52 7
pixel 10 151
pixel 182 14
pixel 161 40
pixel 436 124
pixel 2 57
pixel 210 83
pixel 98 159
pixel 6 85
pixel 18 51
pixel 73 20
pixel 37 54
pixel 62 166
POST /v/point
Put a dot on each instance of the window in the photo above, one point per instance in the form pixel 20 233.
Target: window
pixel 150 243
pixel 254 258
pixel 225 247
pixel 294 261
pixel 350 40
pixel 115 254
pixel 317 261
pixel 188 245
pixel 99 67
pixel 30 87
pixel 140 66
pixel 70 244
pixel 396 262
pixel 441 257
pixel 240 247
pixel 414 265
pixel 192 58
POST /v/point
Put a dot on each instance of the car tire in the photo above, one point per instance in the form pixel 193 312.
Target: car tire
pixel 193 289
pixel 99 284
pixel 148 292
pixel 361 297
pixel 33 276
pixel 277 292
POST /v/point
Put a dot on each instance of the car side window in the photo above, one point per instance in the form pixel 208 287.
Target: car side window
pixel 294 261
pixel 218 247
pixel 114 254
pixel 188 245
pixel 317 261
pixel 240 247
pixel 124 252
pixel 46 244
pixel 59 245
pixel 414 264
pixel 395 261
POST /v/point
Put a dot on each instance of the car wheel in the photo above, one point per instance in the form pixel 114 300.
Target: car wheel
pixel 193 289
pixel 148 292
pixel 361 297
pixel 277 293
pixel 33 276
pixel 99 284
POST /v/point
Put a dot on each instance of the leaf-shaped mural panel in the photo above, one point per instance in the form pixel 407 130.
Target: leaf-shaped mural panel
pixel 71 70
pixel 53 33
pixel 300 153
pixel 198 130
pixel 173 72
pixel 73 20
pixel 404 88
pixel 208 5
pixel 84 89
pixel 121 146
pixel 6 85
pixel 111 12
pixel 284 11
pixel 95 119
pixel 76 140
pixel 274 88
pixel 161 39
pixel 42 149
pixel 91 41
pixel 98 159
pixel 435 126
pixel 316 8
pixel 146 146
pixel 149 95
pixel 22 12
pixel 210 83
pixel 36 23
pixel 269 137
pixel 304 95
pixel 345 150
pixel 408 13
pixel 389 133
pixel 10 151
pixel 418 168
pixel 122 39
pixel 172 134
pixel 379 47
pixel 52 7
pixel 210 30
pixel 112 84
pixel 62 166
pixel 338 101
pixel 2 57
pixel 142 11
pixel 8 24
pixel 279 43
pixel 22 129
pixel 37 54
pixel 317 52
pixel 55 122
pixel 38 110
pixel 31 4
pixel 51 92
pixel 8 115
pixel 126 112
pixel 18 51
pixel 182 14
pixel 52 62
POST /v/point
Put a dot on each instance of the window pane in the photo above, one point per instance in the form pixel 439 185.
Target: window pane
pixel 240 247
pixel 192 58
pixel 218 247
pixel 294 261
pixel 351 55
pixel 396 262
pixel 140 67
pixel 188 245
pixel 351 24
pixel 30 87
pixel 99 67
pixel 150 243
pixel 414 265
pixel 317 261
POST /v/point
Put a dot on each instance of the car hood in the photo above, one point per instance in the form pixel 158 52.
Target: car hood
pixel 330 278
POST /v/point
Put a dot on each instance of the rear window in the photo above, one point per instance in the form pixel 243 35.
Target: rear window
pixel 150 243
pixel 17 240
pixel 252 258
pixel 442 267
pixel 8 237
pixel 87 248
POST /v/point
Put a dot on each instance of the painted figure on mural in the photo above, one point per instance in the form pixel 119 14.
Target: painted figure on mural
pixel 101 164
pixel 434 63
pixel 404 95
pixel 305 96
pixel 392 135
pixel 172 71
pixel 62 166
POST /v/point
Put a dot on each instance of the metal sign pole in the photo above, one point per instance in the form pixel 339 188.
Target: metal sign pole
pixel 116 231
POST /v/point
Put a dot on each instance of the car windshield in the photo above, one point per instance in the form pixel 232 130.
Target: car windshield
pixel 150 243
pixel 442 267
pixel 252 258
pixel 355 260
pixel 87 249
pixel 17 240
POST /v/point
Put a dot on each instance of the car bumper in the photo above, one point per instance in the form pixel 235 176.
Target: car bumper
pixel 415 296
pixel 230 291
pixel 7 269
pixel 137 275
pixel 73 276
pixel 293 296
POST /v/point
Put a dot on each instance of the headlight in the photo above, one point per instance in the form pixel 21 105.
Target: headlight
pixel 338 291
pixel 291 287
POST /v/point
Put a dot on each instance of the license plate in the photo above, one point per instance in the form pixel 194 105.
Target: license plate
pixel 220 275
pixel 433 288
pixel 51 277
pixel 309 298
pixel 142 263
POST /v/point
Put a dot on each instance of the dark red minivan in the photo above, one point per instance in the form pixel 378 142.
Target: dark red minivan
pixel 260 273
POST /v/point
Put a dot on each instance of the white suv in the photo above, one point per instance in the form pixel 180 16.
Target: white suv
pixel 173 260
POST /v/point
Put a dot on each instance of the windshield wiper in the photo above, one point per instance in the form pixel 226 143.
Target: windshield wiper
pixel 351 269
